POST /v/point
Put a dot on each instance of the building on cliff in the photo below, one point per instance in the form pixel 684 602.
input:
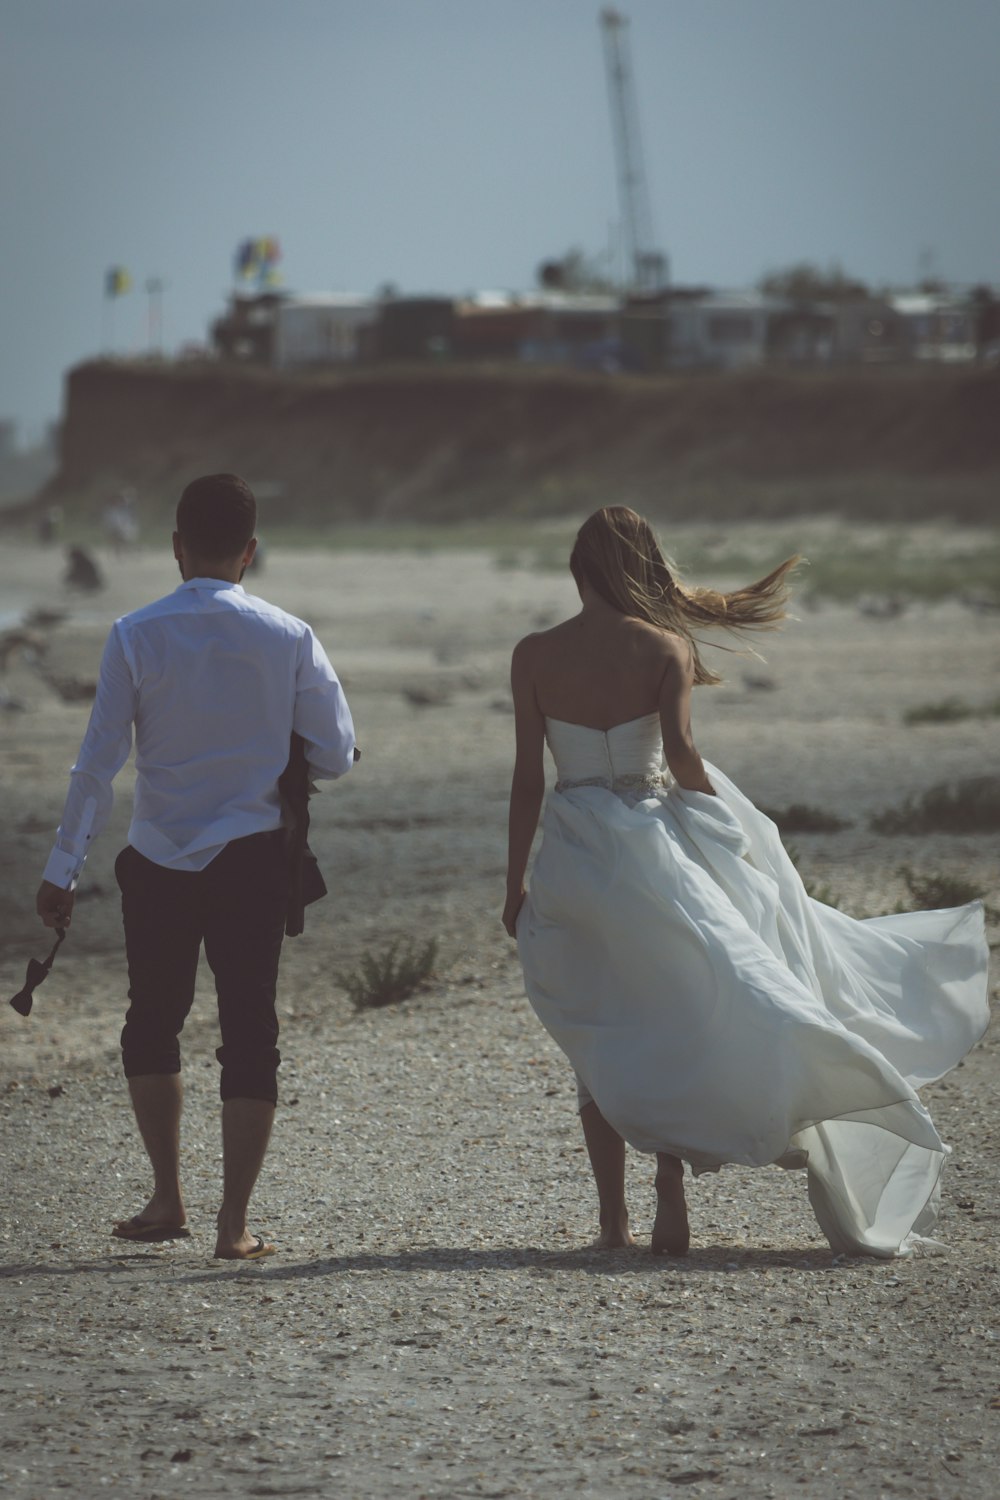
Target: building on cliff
pixel 675 328
pixel 545 327
pixel 329 329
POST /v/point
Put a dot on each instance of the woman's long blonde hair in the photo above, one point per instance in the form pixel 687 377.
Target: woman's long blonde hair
pixel 617 554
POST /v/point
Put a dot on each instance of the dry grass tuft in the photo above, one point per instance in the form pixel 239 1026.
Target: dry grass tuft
pixel 801 818
pixel 813 890
pixel 969 806
pixel 393 975
pixel 938 889
pixel 949 711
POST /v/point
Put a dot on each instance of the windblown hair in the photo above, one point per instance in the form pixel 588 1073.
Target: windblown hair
pixel 217 516
pixel 617 554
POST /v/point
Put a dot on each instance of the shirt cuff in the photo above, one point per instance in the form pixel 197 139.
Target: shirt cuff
pixel 63 870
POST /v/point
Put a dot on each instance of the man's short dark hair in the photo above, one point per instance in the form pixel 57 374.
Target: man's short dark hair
pixel 217 515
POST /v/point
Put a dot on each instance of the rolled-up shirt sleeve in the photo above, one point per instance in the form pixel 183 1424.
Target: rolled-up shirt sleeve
pixel 105 749
pixel 322 716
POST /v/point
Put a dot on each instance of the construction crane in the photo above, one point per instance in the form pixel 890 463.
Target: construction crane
pixel 648 266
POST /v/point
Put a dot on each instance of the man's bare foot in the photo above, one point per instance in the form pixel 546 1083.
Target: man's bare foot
pixel 246 1246
pixel 671 1233
pixel 163 1215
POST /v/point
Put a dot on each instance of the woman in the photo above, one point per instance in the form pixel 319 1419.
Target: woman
pixel 713 1012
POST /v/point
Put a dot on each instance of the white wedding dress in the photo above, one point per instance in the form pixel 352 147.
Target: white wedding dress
pixel 715 1011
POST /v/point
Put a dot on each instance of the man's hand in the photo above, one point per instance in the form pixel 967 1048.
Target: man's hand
pixel 54 905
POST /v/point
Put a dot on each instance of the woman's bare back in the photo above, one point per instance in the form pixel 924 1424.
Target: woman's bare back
pixel 600 669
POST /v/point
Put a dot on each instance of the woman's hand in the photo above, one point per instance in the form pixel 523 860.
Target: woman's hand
pixel 527 787
pixel 511 910
pixel 679 748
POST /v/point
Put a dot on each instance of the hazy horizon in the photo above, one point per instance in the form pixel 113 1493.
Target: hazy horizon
pixel 446 146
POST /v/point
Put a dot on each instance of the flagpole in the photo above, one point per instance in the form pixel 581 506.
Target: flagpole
pixel 154 291
pixel 116 281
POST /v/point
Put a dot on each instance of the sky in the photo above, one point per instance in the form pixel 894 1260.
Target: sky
pixel 452 145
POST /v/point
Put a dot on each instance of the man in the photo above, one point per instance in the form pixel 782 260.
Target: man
pixel 215 682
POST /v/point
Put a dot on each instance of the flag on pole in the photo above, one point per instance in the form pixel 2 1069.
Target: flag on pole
pixel 116 281
pixel 256 260
pixel 244 259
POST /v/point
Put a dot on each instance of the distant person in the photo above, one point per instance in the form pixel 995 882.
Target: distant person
pixel 82 571
pixel 121 522
pixel 214 682
pixel 49 525
pixel 713 1012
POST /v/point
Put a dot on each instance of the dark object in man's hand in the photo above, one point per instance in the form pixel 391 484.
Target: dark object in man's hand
pixel 305 879
pixel 38 968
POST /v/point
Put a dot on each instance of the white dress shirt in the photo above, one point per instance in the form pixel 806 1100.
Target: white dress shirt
pixel 215 681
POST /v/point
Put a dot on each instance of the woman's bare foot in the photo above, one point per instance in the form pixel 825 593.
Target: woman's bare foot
pixel 615 1234
pixel 671 1233
pixel 606 1150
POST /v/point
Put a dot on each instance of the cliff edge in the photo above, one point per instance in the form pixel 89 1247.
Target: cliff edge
pixel 450 442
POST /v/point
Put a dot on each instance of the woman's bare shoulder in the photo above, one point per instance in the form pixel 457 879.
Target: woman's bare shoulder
pixel 526 648
pixel 536 643
pixel 662 643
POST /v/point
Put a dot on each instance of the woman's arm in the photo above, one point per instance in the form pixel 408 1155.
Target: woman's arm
pixel 527 786
pixel 685 763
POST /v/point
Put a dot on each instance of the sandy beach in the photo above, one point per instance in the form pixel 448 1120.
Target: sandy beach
pixel 434 1323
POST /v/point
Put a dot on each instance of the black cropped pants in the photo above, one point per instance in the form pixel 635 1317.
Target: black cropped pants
pixel 237 907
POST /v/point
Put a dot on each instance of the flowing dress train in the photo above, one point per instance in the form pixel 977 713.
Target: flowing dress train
pixel 715 1011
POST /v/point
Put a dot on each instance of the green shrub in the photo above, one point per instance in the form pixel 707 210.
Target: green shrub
pixel 969 806
pixel 894 563
pixel 382 979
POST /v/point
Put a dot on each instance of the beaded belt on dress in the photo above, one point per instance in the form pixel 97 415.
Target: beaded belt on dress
pixel 638 781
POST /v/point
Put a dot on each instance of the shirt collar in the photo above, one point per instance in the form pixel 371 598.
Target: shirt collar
pixel 210 583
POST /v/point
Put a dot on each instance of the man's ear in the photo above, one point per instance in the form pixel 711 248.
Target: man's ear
pixel 177 546
pixel 248 555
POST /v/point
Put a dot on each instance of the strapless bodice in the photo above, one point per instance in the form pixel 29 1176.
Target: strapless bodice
pixel 627 758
